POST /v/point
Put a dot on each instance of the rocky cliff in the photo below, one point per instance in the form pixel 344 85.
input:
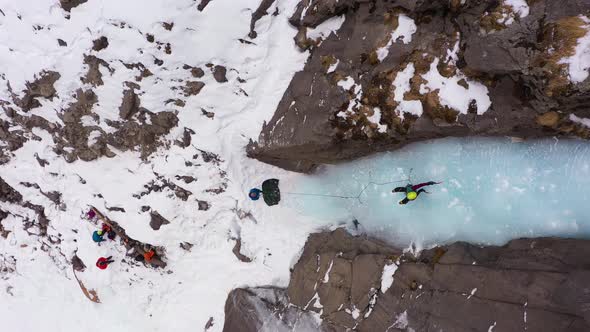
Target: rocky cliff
pixel 402 71
pixel 363 284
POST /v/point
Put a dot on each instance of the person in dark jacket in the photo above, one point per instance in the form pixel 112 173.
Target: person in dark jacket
pixel 412 191
pixel 102 263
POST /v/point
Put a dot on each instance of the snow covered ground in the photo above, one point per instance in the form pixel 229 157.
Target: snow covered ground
pixel 38 288
pixel 42 293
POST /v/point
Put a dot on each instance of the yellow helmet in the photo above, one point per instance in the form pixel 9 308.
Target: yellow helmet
pixel 99 232
pixel 411 195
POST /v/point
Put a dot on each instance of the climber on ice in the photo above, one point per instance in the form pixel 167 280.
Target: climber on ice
pixel 270 192
pixel 412 191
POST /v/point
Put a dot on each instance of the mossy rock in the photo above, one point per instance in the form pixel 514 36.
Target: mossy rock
pixel 549 119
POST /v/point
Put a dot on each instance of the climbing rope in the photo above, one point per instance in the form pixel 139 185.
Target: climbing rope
pixel 357 197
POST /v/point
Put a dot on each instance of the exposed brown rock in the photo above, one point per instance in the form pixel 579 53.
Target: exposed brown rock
pixel 208 114
pixel 549 119
pixel 186 138
pixel 42 87
pixel 203 4
pixel 94 76
pixel 78 264
pixel 100 44
pixel 238 254
pixel 131 135
pixel 197 72
pixel 9 194
pixel 143 71
pixel 157 220
pixel 203 205
pixel 67 5
pixel 257 15
pixel 219 73
pixel 130 104
pixel 192 88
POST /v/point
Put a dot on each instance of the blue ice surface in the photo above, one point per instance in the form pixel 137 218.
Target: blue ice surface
pixel 493 191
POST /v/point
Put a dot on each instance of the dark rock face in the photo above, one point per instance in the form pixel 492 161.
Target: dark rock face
pixel 257 15
pixel 8 194
pixel 157 220
pixel 192 88
pixel 529 284
pixel 77 263
pixel 515 62
pixel 132 135
pixel 42 87
pixel 203 4
pixel 129 105
pixel 338 272
pixel 94 76
pixel 67 5
pixel 219 73
pixel 264 309
pixel 197 72
pixel 238 254
pixel 100 44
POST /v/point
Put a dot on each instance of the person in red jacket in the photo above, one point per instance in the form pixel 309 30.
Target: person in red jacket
pixel 102 263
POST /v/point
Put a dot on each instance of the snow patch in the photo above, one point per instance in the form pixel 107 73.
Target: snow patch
pixel 519 7
pixel 87 121
pixel 472 293
pixel 355 313
pixel 324 30
pixel 491 328
pixel 401 321
pixel 372 302
pixel 582 121
pixel 333 66
pixel 93 137
pixel 452 94
pixel 327 275
pixel 315 300
pixel 402 85
pixel 406 28
pixel 387 276
pixel 579 63
pixel 524 315
pixel 376 118
pixel 346 83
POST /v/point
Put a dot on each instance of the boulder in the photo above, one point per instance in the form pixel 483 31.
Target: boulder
pixel 264 309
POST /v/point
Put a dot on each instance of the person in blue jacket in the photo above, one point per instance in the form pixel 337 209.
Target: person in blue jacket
pixel 97 236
